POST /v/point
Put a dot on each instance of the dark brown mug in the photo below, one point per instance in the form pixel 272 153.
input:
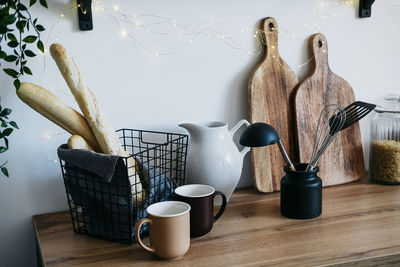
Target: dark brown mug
pixel 201 200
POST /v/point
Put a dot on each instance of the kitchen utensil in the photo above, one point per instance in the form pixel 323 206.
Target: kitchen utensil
pixel 330 123
pixel 200 197
pixel 169 229
pixel 343 161
pixel 261 134
pixel 270 93
pixel 213 156
pixel 384 163
pixel 301 193
pixel 355 112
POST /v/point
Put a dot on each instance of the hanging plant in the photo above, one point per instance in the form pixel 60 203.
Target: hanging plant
pixel 19 32
pixel 7 128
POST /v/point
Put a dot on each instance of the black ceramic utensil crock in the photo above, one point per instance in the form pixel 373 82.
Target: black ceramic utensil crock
pixel 301 193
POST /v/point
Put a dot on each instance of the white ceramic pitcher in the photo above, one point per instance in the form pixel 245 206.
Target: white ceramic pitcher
pixel 213 157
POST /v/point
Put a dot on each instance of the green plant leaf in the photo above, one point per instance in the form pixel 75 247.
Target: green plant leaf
pixel 12 44
pixel 14 124
pixel 43 3
pixel 30 39
pixel 29 53
pixel 40 45
pixel 21 25
pixel 10 58
pixel 4 171
pixel 2 54
pixel 10 19
pixel 27 70
pixel 40 28
pixel 7 131
pixel 22 7
pixel 6 142
pixel 32 2
pixel 3 149
pixel 11 72
pixel 17 84
pixel 5 112
pixel 11 37
pixel 3 10
pixel 4 124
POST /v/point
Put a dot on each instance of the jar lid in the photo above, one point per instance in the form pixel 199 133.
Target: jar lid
pixel 391 104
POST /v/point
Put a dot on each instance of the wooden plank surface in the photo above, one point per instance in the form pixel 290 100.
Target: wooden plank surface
pixel 270 101
pixel 359 226
pixel 343 161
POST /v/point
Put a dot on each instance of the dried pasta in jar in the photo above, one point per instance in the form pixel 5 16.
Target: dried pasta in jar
pixel 385 161
pixel 385 142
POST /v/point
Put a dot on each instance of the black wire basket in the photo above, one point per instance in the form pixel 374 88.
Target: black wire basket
pixel 109 210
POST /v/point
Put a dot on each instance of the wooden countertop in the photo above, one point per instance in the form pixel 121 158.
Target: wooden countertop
pixel 359 225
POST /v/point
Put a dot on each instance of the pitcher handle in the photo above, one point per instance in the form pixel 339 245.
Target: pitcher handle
pixel 234 130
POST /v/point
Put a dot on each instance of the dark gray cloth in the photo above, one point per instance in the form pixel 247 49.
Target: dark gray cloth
pixel 99 187
pixel 100 164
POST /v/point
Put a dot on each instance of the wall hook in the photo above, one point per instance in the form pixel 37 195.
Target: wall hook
pixel 85 15
pixel 365 8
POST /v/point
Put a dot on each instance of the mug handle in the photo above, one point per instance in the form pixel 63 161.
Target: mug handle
pixel 222 209
pixel 137 235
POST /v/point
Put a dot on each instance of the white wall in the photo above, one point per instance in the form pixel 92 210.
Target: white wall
pixel 207 80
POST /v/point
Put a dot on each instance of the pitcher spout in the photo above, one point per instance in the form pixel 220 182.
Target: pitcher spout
pixel 193 127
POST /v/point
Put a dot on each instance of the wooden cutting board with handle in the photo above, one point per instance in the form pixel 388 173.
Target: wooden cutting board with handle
pixel 343 161
pixel 270 93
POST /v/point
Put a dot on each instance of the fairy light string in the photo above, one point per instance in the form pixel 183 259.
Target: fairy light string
pixel 133 26
pixel 130 25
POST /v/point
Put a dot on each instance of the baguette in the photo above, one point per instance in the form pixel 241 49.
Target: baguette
pixel 87 102
pixel 78 142
pixel 51 107
pixel 98 122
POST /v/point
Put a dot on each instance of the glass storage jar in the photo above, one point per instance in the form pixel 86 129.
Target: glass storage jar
pixel 384 163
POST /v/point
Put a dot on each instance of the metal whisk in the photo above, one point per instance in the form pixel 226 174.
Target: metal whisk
pixel 331 121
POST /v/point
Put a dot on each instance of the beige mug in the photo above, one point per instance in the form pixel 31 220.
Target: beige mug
pixel 169 229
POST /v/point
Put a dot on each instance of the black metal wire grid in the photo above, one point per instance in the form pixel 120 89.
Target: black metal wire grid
pixel 157 166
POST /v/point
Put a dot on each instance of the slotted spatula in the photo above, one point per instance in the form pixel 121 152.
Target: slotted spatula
pixel 355 112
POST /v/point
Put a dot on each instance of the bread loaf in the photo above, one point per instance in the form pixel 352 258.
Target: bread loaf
pixel 51 107
pixel 78 142
pixel 98 122
pixel 87 102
